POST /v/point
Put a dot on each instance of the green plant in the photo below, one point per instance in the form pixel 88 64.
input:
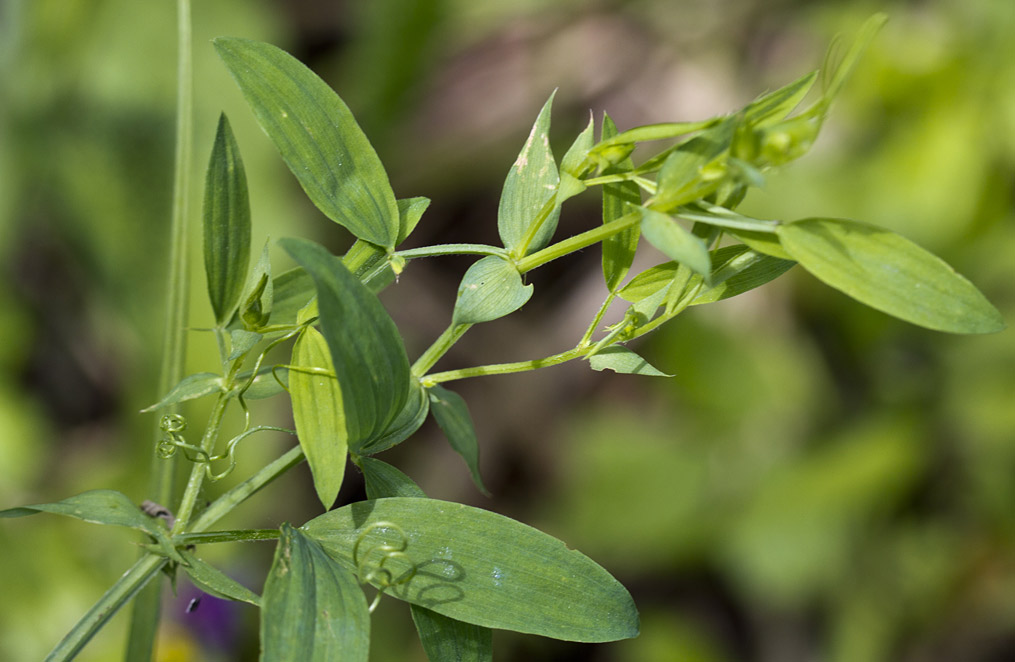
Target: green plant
pixel 355 394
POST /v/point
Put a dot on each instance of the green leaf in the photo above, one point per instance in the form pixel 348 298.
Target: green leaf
pixel 530 185
pixel 190 387
pixel 366 349
pixel 226 224
pixel 410 211
pixel 104 507
pixel 662 131
pixel 491 288
pixel 383 480
pixel 96 506
pixel 740 269
pixel 266 382
pixel 889 273
pixel 447 640
pixel 313 609
pixel 214 582
pixel 293 290
pixel 775 106
pixel 834 76
pixel 575 161
pixel 619 199
pixel 259 295
pixel 675 242
pixel 417 406
pixel 452 415
pixel 318 414
pixel 649 282
pixel 242 341
pixel 480 567
pixel 317 136
pixel 620 359
pixel 763 242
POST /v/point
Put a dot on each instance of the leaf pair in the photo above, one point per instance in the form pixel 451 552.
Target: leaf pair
pixel 351 382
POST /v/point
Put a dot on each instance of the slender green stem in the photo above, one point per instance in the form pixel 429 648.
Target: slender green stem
pixel 145 613
pixel 439 348
pixel 237 495
pixel 578 242
pixel 505 368
pixel 451 249
pixel 245 535
pixel 118 594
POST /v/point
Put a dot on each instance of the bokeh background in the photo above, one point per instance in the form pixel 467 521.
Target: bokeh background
pixel 818 481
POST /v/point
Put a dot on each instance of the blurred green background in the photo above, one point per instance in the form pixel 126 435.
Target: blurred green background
pixel 818 482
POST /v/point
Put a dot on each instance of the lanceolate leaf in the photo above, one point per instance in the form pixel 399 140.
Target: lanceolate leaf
pixel 775 106
pixel 890 273
pixel 103 507
pixel 366 349
pixel 383 480
pixel 480 567
pixel 213 581
pixel 675 242
pixel 313 609
pixel 226 224
pixel 445 639
pixel 452 415
pixel 491 288
pixel 190 387
pixel 619 199
pixel 621 359
pixel 530 185
pixel 317 137
pixel 318 414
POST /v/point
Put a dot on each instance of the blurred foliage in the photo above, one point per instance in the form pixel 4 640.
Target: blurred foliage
pixel 818 482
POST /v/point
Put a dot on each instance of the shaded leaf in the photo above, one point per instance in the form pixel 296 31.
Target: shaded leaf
pixel 190 387
pixel 890 273
pixel 214 582
pixel 226 224
pixel 318 414
pixel 452 415
pixel 480 567
pixel 366 348
pixel 313 609
pixel 266 382
pixel 491 288
pixel 258 296
pixel 383 480
pixel 317 136
pixel 675 242
pixel 447 640
pixel 293 290
pixel 763 242
pixel 738 270
pixel 621 359
pixel 417 406
pixel 530 185
pixel 242 341
pixel 410 210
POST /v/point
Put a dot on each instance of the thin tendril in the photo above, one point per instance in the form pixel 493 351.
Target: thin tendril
pixel 380 576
